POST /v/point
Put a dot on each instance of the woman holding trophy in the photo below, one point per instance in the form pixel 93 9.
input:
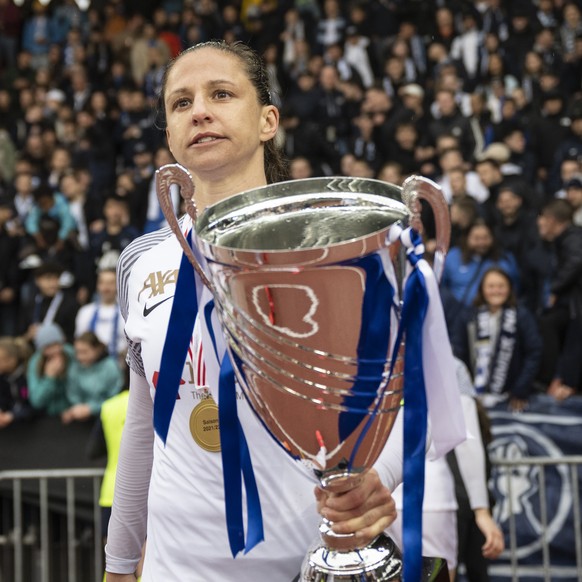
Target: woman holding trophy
pixel 221 126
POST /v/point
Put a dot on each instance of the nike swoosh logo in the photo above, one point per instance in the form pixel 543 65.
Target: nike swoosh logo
pixel 147 310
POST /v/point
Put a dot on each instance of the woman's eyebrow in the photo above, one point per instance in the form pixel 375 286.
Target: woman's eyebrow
pixel 211 84
pixel 217 82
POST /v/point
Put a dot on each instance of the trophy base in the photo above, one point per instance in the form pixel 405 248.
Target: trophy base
pixel 379 561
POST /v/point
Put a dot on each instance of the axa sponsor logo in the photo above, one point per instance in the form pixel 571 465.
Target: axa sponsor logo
pixel 155 286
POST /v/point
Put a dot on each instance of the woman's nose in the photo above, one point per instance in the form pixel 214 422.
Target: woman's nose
pixel 200 110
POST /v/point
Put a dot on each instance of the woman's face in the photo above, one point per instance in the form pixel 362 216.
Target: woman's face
pixel 216 126
pixel 496 290
pixel 85 353
pixel 480 240
pixel 52 350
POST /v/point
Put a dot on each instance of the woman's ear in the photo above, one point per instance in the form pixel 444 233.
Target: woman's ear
pixel 269 122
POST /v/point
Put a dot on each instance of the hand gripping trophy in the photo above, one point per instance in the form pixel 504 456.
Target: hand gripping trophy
pixel 324 326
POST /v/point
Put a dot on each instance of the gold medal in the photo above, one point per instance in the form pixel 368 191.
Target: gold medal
pixel 204 425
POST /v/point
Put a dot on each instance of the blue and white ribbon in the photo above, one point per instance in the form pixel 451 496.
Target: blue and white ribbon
pixel 432 394
pixel 236 459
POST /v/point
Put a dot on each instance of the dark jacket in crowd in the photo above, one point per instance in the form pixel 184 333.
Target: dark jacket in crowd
pixel 526 352
pixel 522 239
pixel 34 312
pixel 14 394
pixel 566 282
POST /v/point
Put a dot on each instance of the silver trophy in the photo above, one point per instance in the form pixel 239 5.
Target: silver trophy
pixel 291 267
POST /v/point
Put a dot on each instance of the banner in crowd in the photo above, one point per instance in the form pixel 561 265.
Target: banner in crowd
pixel 551 430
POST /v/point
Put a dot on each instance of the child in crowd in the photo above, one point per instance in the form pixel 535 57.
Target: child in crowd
pixel 94 376
pixel 71 382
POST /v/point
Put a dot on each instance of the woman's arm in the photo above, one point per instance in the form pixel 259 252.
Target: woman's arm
pixel 471 461
pixel 368 509
pixel 127 527
pixel 471 457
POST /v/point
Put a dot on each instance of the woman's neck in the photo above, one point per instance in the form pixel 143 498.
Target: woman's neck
pixel 209 192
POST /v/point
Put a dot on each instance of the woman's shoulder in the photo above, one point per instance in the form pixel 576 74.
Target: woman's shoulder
pixel 148 253
pixel 140 246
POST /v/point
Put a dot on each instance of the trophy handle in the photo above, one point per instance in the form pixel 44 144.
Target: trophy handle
pixel 177 174
pixel 415 187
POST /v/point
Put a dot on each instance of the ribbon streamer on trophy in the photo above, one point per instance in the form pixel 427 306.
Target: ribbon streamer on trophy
pixel 327 332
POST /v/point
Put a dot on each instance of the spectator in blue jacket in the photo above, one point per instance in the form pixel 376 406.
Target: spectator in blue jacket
pixel 466 264
pixel 55 205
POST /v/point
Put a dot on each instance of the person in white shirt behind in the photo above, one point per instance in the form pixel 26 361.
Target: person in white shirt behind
pixel 103 317
pixel 439 509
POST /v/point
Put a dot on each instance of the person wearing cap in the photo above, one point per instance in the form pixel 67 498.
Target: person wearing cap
pixel 47 370
pixel 413 108
pixel 48 303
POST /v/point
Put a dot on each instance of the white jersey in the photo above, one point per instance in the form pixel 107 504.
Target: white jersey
pixel 186 526
pixel 106 322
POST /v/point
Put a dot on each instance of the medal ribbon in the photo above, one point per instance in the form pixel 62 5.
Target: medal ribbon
pixel 178 336
pixel 436 393
pixel 414 309
pixel 236 460
pixel 373 344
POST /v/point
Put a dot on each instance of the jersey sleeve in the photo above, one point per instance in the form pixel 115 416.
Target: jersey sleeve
pixel 471 457
pixel 128 523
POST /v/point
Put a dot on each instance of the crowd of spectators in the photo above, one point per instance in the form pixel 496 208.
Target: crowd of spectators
pixel 483 96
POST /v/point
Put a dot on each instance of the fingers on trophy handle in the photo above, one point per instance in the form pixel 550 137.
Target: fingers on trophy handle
pixel 165 177
pixel 418 187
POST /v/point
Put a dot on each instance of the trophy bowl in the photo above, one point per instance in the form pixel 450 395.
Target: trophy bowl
pixel 305 281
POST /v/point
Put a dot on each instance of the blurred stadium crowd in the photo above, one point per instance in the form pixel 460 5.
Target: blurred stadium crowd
pixel 483 96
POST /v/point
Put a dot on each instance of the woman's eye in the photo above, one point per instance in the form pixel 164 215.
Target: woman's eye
pixel 181 103
pixel 222 94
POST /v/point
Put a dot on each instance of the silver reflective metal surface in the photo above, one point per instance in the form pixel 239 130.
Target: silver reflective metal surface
pixel 379 561
pixel 286 265
pixel 303 214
